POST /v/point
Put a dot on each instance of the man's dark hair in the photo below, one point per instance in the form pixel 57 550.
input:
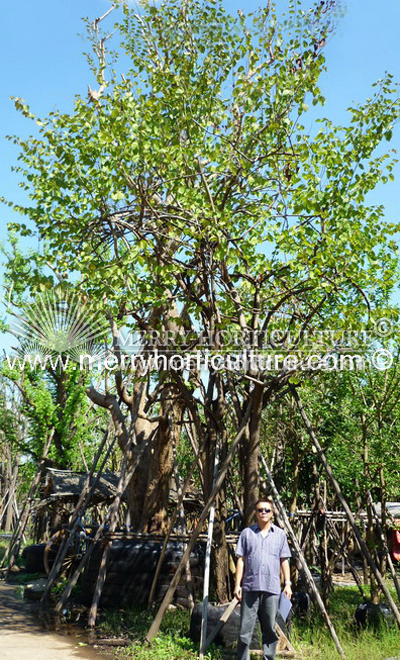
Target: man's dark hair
pixel 265 499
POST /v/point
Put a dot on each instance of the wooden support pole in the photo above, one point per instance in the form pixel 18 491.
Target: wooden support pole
pixel 283 637
pixel 197 452
pixel 308 526
pixel 13 549
pixel 182 523
pixel 299 553
pixel 80 508
pixel 172 523
pixel 206 581
pixel 3 499
pixel 341 544
pixel 10 500
pixel 360 541
pixel 18 517
pixel 101 578
pixel 122 485
pixel 5 509
pixel 344 546
pixel 221 477
pixel 124 479
pixel 189 583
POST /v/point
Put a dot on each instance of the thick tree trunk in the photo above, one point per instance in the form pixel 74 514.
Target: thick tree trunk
pixel 251 457
pixel 150 486
pixel 155 506
pixel 137 488
pixel 148 490
pixel 222 579
pixel 217 437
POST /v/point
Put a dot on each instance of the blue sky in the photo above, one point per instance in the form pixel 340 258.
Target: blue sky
pixel 41 52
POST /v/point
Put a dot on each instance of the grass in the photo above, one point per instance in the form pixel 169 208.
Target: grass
pixel 24 578
pixel 310 638
pixel 172 642
pixel 3 548
pixel 367 645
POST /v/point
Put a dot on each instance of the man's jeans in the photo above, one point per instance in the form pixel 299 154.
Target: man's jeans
pixel 266 606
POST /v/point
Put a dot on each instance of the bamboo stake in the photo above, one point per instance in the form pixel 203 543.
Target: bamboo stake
pixel 10 501
pixel 345 555
pixel 18 515
pixel 344 545
pixel 182 523
pixel 206 581
pixel 13 549
pixel 1 505
pixel 175 580
pixel 189 583
pixel 4 511
pixel 101 577
pixel 122 485
pixel 80 508
pixel 172 523
pixel 308 527
pixel 282 636
pixel 360 541
pixel 296 545
pixel 196 450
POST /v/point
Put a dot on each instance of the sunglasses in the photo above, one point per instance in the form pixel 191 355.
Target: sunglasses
pixel 263 510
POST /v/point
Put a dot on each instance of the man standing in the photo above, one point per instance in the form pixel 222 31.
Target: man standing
pixel 262 550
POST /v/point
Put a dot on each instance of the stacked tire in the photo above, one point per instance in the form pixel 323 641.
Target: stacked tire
pixel 131 568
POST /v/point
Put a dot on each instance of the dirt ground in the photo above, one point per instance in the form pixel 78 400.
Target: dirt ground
pixel 22 637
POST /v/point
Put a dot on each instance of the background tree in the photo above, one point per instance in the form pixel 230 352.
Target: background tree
pixel 11 428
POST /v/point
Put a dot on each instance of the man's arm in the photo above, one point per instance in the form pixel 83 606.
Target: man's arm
pixel 238 578
pixel 286 574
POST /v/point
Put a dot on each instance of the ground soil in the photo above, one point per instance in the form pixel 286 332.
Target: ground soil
pixel 23 638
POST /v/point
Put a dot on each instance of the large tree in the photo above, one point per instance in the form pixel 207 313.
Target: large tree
pixel 189 197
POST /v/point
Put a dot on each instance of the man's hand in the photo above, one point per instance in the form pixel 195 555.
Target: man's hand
pixel 287 592
pixel 238 578
pixel 238 593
